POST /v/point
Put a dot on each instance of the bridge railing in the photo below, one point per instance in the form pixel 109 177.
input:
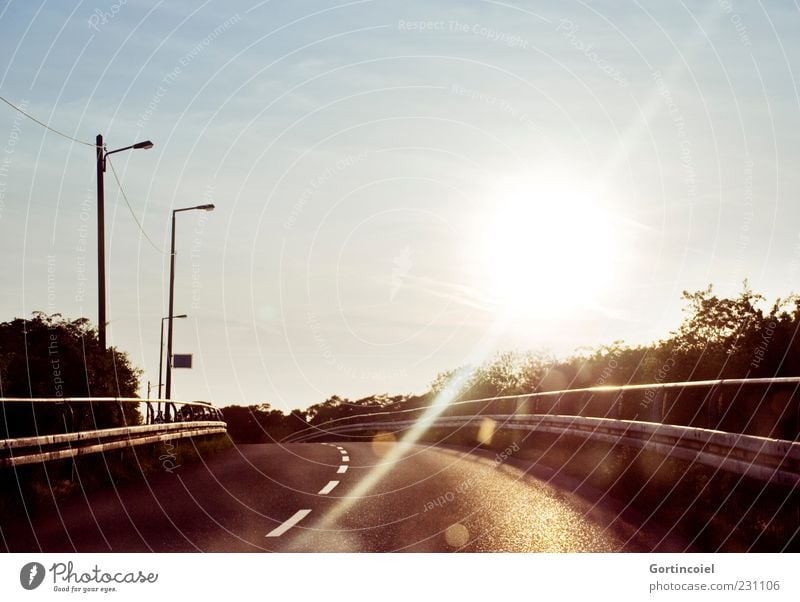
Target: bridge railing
pixel 762 407
pixel 44 429
pixel 770 460
pixel 749 427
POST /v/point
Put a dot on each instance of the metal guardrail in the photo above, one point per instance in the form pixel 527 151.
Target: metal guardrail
pixel 765 407
pixel 177 419
pixel 157 411
pixel 745 426
pixel 771 460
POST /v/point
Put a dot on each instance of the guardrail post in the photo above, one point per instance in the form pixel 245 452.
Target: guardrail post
pixel 656 406
pixel 796 434
pixel 68 428
pixel 122 415
pixel 712 409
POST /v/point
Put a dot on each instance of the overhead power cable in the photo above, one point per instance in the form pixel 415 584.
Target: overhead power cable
pixel 44 125
pixel 136 219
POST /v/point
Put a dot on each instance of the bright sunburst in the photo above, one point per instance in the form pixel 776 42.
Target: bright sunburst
pixel 548 247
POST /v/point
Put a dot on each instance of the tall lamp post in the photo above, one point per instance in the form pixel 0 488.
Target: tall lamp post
pixel 101 220
pixel 170 317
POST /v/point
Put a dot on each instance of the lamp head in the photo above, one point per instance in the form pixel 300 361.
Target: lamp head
pixel 145 144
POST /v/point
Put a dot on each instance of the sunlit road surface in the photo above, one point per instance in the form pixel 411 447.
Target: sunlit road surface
pixel 335 498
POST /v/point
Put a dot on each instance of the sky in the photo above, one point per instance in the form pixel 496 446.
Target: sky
pixel 400 188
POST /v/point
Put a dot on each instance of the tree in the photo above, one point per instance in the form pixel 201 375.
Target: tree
pixel 51 357
pixel 718 321
pixel 261 423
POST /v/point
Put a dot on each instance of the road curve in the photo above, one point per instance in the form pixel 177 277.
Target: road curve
pixel 335 497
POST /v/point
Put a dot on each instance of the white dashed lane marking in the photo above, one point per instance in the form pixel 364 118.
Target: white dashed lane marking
pixel 345 458
pixel 289 523
pixel 342 469
pixel 328 488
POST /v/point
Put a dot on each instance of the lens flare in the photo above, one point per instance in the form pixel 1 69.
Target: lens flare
pixel 456 536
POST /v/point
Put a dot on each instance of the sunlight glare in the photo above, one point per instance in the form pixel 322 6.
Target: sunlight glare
pixel 548 247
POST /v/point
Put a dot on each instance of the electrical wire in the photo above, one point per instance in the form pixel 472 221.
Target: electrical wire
pixel 44 125
pixel 108 160
pixel 136 219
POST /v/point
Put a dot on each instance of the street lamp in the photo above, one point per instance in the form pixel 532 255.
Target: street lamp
pixel 208 207
pixel 161 351
pixel 101 244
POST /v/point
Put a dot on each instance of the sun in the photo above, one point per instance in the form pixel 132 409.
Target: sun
pixel 548 246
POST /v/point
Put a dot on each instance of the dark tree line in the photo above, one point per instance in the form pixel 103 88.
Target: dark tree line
pixel 719 338
pixel 260 423
pixel 50 356
pixel 264 424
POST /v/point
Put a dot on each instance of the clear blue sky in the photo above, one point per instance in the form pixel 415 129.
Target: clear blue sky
pixel 400 187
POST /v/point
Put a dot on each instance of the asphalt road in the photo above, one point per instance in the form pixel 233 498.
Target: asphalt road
pixel 345 497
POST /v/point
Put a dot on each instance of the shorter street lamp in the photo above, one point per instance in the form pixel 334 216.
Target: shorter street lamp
pixel 208 207
pixel 161 351
pixel 161 362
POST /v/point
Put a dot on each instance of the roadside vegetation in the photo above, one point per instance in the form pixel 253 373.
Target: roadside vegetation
pixel 719 338
pixel 53 357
